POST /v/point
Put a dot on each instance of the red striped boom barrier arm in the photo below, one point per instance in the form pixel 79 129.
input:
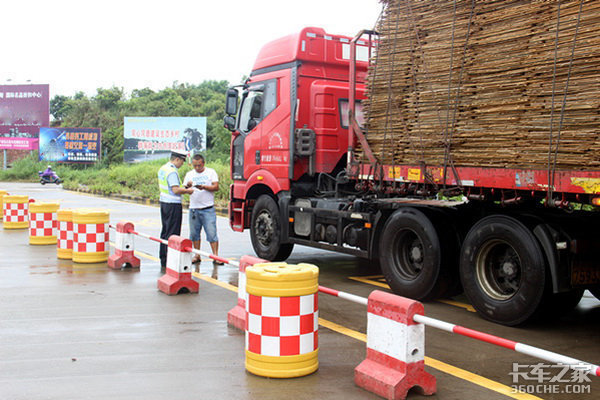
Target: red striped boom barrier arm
pixel 344 295
pixel 214 257
pixel 195 251
pixel 572 363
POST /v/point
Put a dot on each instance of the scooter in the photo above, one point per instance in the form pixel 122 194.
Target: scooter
pixel 49 178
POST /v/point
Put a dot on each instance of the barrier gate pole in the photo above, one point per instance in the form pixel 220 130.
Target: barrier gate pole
pixel 542 354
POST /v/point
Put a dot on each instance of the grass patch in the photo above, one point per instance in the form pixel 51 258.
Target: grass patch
pixel 137 179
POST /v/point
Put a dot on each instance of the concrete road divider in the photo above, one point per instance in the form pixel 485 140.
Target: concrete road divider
pixel 124 245
pixel 236 317
pixel 43 223
pixel 282 335
pixel 178 277
pixel 64 244
pixel 395 348
pixel 16 211
pixel 90 235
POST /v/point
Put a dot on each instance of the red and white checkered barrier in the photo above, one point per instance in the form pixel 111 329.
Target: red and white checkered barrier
pixel 237 315
pixel 90 238
pixel 282 326
pixel 124 253
pixel 16 212
pixel 64 244
pixel 90 235
pixel 43 223
pixel 2 194
pixel 178 277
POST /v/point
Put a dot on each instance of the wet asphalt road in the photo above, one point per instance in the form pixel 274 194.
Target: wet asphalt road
pixel 83 331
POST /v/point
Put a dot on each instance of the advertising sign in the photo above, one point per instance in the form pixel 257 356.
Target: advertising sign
pixel 70 145
pixel 149 138
pixel 23 110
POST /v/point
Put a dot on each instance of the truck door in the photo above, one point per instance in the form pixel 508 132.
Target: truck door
pixel 257 103
pixel 247 143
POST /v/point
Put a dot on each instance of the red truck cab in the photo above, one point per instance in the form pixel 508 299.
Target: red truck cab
pixel 293 116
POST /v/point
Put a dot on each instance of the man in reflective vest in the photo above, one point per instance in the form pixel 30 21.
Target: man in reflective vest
pixel 170 200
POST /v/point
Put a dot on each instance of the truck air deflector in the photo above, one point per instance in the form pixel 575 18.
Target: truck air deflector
pixel 273 68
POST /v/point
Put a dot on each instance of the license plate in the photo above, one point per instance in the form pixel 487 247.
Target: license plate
pixel 585 276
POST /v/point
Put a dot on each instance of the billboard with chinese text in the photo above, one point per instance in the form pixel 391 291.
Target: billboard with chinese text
pixel 149 138
pixel 23 110
pixel 70 145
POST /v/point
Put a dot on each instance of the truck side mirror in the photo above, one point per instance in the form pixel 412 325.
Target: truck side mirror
pixel 229 122
pixel 231 103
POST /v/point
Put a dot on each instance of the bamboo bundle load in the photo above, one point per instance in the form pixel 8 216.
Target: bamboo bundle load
pixel 508 84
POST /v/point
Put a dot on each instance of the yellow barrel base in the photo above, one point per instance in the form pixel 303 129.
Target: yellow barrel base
pixel 64 254
pixel 39 240
pixel 90 258
pixel 16 225
pixel 284 366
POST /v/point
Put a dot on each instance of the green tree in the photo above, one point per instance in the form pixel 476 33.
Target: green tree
pixel 106 109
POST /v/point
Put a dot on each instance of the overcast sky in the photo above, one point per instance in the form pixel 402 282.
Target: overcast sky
pixel 84 45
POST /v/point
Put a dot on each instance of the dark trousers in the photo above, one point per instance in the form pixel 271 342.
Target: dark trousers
pixel 170 217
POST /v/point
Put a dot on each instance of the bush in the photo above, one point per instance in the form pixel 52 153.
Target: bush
pixel 130 179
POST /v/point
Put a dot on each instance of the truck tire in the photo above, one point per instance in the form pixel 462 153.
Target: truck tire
pixel 265 231
pixel 503 270
pixel 410 254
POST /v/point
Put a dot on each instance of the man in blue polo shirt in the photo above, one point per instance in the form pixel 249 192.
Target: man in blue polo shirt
pixel 170 200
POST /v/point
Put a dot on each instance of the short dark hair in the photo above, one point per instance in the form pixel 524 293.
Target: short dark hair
pixel 199 157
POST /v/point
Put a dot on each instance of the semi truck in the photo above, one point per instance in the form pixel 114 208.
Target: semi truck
pixel 391 147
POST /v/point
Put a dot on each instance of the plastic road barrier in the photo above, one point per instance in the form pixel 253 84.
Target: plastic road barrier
pixel 16 212
pixel 124 245
pixel 237 315
pixel 64 244
pixel 43 223
pixel 282 320
pixel 395 360
pixel 2 194
pixel 90 235
pixel 546 355
pixel 178 277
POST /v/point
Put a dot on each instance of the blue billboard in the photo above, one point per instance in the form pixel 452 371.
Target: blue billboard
pixel 70 145
pixel 148 138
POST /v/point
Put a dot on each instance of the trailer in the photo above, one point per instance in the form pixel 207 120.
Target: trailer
pixel 370 146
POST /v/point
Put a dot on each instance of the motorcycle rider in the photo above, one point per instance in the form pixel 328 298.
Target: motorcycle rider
pixel 48 173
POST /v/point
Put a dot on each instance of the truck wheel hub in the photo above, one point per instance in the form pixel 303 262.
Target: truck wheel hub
pixel 264 228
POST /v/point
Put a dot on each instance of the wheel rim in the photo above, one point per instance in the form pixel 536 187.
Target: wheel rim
pixel 263 226
pixel 409 255
pixel 498 269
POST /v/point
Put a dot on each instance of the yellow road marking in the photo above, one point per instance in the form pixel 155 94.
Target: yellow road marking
pixel 370 280
pixel 215 281
pixel 431 362
pixel 467 307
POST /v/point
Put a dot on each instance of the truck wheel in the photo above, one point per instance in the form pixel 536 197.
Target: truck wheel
pixel 265 231
pixel 502 269
pixel 410 254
